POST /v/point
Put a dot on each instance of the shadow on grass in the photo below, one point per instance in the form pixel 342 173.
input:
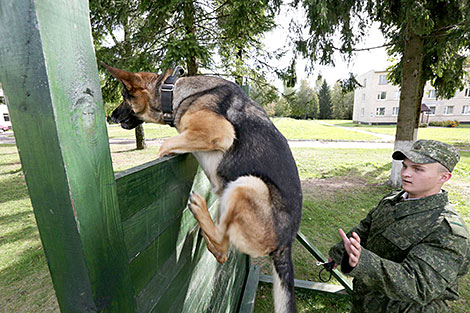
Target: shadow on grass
pixel 368 171
pixel 125 151
pixel 13 188
pixel 307 301
pixel 29 232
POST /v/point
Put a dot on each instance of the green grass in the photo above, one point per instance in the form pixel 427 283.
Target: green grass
pixel 25 284
pixel 457 136
pixel 152 131
pixel 313 130
pixel 340 187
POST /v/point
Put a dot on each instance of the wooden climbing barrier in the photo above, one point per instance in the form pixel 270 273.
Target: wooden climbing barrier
pixel 114 243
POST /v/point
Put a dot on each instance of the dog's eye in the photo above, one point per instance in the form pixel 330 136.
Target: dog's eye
pixel 126 95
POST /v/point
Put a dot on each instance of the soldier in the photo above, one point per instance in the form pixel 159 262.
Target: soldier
pixel 409 252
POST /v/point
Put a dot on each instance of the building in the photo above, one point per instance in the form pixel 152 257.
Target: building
pixel 377 101
pixel 4 115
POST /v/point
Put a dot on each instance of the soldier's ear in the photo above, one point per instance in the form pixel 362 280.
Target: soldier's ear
pixel 128 79
pixel 445 176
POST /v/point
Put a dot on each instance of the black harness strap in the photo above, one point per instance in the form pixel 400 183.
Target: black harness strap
pixel 167 97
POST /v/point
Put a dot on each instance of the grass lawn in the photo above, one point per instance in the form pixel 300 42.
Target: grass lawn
pixel 313 130
pixel 340 186
pixel 457 136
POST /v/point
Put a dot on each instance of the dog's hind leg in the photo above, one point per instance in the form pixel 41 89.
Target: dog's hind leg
pixel 245 219
pixel 216 238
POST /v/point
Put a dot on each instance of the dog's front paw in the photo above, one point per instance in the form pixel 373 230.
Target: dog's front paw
pixel 197 203
pixel 164 153
pixel 222 258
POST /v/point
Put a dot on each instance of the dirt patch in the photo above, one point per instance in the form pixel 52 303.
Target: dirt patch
pixel 329 187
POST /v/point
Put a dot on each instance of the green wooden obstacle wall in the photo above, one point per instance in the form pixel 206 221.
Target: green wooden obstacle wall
pixel 113 244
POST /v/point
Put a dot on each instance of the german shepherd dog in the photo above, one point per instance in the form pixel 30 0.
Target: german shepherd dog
pixel 247 160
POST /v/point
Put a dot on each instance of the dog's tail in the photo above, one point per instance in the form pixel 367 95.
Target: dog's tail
pixel 283 276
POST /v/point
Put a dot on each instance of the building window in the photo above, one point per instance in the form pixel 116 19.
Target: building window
pixel 466 109
pixel 467 92
pixel 397 95
pixel 382 95
pixel 383 79
pixel 395 111
pixel 2 100
pixel 365 83
pixel 6 117
pixel 380 111
pixel 449 109
pixel 362 111
pixel 432 94
pixel 432 110
pixel 363 99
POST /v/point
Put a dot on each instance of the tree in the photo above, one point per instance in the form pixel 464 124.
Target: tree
pixel 281 107
pixel 144 35
pixel 265 95
pixel 324 100
pixel 428 38
pixel 342 103
pixel 306 102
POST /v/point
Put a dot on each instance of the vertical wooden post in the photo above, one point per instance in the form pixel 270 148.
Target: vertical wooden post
pixel 49 75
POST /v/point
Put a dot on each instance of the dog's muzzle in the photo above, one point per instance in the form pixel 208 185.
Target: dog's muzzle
pixel 126 118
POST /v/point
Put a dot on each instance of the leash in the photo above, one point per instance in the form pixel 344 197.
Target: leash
pixel 328 266
pixel 167 95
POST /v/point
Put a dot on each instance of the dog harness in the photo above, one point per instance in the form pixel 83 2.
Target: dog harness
pixel 167 96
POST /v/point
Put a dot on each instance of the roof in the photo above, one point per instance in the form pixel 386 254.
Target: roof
pixel 424 108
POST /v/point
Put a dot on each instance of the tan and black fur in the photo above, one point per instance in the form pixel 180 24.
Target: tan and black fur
pixel 245 157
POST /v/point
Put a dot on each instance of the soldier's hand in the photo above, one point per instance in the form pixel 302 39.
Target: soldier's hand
pixel 352 246
pixel 335 265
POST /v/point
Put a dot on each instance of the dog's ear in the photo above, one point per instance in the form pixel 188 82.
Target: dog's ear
pixel 128 79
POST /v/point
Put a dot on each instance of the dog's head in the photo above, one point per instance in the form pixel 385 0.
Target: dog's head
pixel 141 103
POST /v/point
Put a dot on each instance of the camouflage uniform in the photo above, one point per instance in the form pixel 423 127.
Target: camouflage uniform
pixel 413 252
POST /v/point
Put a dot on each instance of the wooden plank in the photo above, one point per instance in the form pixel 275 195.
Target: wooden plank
pixel 223 284
pixel 249 294
pixel 320 257
pixel 55 104
pixel 158 199
pixel 305 284
pixel 176 273
pixel 149 296
pixel 145 264
pixel 160 181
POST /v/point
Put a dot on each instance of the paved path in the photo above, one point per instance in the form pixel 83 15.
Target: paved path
pixel 7 138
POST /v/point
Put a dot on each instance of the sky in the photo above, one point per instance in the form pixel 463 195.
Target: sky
pixel 361 63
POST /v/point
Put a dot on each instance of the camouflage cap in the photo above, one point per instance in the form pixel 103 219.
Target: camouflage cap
pixel 430 151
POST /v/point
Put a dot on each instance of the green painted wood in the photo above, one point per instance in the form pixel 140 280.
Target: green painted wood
pixel 310 285
pixel 160 189
pixel 249 294
pixel 163 181
pixel 49 75
pixel 174 272
pixel 167 234
pixel 320 257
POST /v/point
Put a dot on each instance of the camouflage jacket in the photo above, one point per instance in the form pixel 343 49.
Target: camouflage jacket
pixel 413 253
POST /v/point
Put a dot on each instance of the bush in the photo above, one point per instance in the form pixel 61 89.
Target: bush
pixel 445 124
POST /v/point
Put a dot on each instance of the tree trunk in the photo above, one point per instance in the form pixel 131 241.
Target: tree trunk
pixel 412 88
pixel 140 137
pixel 189 27
pixel 126 45
pixel 239 78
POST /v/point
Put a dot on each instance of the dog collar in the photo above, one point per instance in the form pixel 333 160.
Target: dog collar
pixel 167 96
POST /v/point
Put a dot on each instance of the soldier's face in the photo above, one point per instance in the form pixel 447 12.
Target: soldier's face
pixel 423 180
